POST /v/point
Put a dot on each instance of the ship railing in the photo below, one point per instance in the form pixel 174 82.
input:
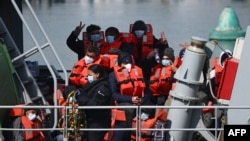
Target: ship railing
pixel 39 48
pixel 138 111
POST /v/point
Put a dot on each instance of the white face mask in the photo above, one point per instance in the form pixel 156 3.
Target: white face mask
pixel 88 59
pixel 128 67
pixel 31 116
pixel 90 78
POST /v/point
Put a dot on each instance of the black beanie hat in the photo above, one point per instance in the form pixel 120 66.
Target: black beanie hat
pixel 123 55
pixel 92 28
pixel 170 53
pixel 35 109
pixel 139 25
pixel 112 30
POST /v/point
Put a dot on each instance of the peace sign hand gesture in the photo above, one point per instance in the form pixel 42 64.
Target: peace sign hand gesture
pixel 78 29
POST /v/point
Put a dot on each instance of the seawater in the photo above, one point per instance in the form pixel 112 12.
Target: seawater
pixel 179 19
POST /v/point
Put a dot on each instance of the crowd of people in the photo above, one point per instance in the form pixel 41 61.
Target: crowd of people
pixel 139 70
pixel 115 68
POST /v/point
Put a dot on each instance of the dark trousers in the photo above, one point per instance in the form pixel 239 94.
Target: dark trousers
pixel 124 135
pixel 159 100
pixel 94 135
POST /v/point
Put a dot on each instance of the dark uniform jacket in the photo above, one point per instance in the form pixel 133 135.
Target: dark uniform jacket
pixel 97 93
pixel 76 45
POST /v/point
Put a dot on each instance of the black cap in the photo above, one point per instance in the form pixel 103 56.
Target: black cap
pixel 92 28
pixel 170 53
pixel 139 25
pixel 112 30
pixel 124 57
pixel 35 109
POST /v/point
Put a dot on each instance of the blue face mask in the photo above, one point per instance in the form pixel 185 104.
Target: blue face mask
pixel 95 37
pixel 165 62
pixel 90 78
pixel 110 39
pixel 139 33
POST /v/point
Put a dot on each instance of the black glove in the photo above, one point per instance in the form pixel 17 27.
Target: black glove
pixel 68 89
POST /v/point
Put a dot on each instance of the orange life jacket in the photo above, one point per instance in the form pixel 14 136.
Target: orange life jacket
pixel 28 134
pixel 161 80
pixel 61 102
pixel 17 112
pixel 27 124
pixel 147 42
pixel 208 110
pixel 88 43
pixel 126 37
pixel 117 115
pixel 110 60
pixel 218 72
pixel 79 72
pixel 177 62
pixel 147 45
pixel 107 46
pixel 131 83
pixel 146 135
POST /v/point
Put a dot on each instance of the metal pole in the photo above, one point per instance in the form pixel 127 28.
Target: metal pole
pixel 189 77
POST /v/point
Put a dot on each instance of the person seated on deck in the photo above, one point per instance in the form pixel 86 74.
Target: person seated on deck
pixel 79 72
pixel 92 37
pixel 162 77
pixel 146 46
pixel 115 41
pixel 96 92
pixel 27 118
pixel 128 88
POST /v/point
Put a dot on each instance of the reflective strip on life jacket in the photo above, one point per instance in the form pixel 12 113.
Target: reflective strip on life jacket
pixel 161 80
pixel 147 46
pixel 79 72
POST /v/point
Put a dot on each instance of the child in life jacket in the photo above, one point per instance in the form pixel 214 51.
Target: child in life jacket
pixel 27 118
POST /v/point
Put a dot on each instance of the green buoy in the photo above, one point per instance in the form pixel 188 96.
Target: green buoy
pixel 227 30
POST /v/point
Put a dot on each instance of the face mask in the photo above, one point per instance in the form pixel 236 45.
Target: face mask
pixel 128 67
pixel 144 116
pixel 90 79
pixel 95 37
pixel 139 33
pixel 165 62
pixel 88 60
pixel 31 116
pixel 110 39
